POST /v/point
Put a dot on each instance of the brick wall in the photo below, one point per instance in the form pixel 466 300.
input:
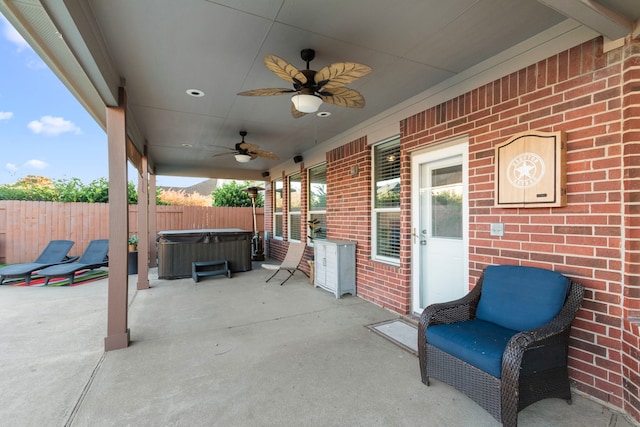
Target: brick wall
pixel 630 343
pixel 349 218
pixel 595 98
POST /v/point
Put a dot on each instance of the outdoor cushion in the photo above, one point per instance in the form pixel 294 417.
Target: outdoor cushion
pixel 521 298
pixel 477 342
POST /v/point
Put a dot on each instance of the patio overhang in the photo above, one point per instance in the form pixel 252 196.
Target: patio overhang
pixel 96 47
pixel 422 53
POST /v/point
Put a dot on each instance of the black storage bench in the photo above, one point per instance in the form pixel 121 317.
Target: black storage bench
pixel 209 268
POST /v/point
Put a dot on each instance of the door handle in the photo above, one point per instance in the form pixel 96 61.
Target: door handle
pixel 423 241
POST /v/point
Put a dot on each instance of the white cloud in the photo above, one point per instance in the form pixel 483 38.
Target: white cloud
pixel 13 36
pixel 5 115
pixel 36 164
pixel 35 63
pixel 51 126
pixel 12 168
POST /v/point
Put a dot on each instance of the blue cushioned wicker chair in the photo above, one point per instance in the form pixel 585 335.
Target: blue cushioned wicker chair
pixel 505 343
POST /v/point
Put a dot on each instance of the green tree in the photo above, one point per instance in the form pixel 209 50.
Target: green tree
pixel 71 190
pixel 231 194
pixel 31 188
pixel 39 188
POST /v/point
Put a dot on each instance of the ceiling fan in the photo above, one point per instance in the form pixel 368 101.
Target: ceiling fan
pixel 312 87
pixel 245 152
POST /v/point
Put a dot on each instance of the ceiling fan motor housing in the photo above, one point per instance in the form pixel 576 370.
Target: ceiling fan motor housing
pixel 307 55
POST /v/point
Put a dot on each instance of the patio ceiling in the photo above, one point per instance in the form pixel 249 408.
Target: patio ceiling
pixel 161 48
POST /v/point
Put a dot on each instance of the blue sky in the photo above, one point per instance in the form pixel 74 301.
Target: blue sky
pixel 43 129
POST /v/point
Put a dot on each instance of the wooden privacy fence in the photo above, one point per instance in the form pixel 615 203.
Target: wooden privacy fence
pixel 27 227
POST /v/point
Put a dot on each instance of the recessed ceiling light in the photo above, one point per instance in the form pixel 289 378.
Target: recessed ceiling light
pixel 195 92
pixel 187 145
pixel 323 114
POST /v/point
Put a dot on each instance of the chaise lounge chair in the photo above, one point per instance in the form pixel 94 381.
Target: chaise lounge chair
pixel 290 262
pixel 55 253
pixel 95 256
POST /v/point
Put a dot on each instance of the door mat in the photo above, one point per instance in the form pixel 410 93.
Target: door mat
pixel 399 332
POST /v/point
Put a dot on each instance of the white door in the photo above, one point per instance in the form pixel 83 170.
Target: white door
pixel 439 225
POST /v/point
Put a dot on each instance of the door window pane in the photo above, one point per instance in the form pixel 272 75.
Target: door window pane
pixel 446 202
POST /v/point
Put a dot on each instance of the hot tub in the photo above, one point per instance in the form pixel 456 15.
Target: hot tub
pixel 177 249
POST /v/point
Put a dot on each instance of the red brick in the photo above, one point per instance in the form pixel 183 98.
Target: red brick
pixel 584 92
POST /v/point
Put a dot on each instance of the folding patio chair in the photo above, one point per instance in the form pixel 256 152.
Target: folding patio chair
pixel 290 263
pixel 55 253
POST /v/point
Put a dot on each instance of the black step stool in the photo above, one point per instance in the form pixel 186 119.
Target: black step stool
pixel 209 268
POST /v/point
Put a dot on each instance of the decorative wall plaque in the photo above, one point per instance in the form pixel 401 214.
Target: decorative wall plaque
pixel 530 170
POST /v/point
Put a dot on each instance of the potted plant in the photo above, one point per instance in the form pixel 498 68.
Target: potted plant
pixel 314 227
pixel 133 243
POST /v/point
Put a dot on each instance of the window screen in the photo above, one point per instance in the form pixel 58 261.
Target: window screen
pixel 277 208
pixel 295 203
pixel 317 209
pixel 386 200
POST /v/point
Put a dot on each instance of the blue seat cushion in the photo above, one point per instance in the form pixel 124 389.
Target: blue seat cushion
pixel 477 342
pixel 521 298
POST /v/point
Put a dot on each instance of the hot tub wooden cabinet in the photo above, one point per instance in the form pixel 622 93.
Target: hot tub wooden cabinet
pixel 177 249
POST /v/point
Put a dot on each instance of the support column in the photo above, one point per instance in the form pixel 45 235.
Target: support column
pixel 631 205
pixel 117 328
pixel 153 223
pixel 143 224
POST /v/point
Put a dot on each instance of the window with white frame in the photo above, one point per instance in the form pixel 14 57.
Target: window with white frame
pixel 386 201
pixel 317 203
pixel 295 205
pixel 277 208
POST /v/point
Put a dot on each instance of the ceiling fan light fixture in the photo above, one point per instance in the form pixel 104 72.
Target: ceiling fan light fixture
pixel 243 158
pixel 306 103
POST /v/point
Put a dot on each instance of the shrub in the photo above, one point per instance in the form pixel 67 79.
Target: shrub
pixel 231 194
pixel 180 198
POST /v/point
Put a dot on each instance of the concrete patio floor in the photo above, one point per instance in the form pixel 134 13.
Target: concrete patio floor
pixel 227 352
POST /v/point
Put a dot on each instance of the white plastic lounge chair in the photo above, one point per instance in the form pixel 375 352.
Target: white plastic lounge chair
pixel 290 263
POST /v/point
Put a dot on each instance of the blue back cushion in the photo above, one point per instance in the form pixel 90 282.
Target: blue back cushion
pixel 521 298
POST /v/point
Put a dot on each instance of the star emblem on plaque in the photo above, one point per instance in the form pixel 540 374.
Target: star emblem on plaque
pixel 530 170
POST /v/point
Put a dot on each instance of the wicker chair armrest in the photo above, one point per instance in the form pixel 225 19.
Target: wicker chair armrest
pixel 455 311
pixel 555 332
pixel 449 312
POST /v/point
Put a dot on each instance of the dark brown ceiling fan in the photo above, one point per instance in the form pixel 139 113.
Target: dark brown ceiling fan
pixel 244 152
pixel 313 87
